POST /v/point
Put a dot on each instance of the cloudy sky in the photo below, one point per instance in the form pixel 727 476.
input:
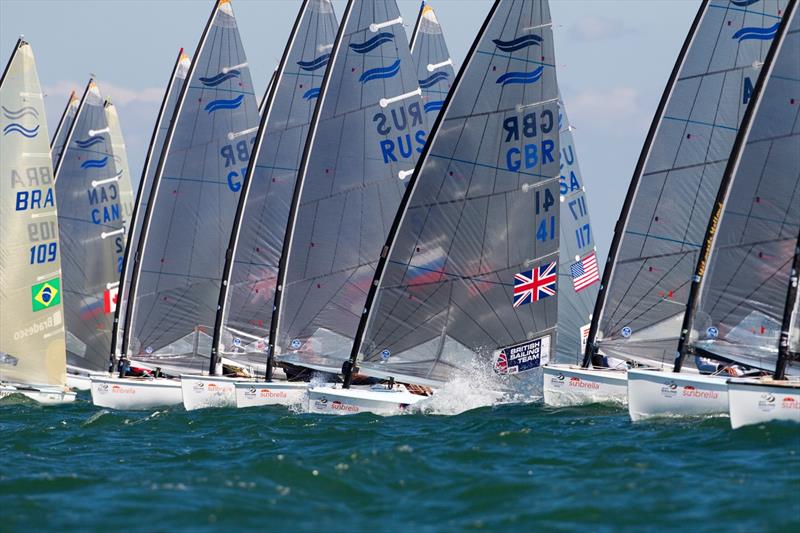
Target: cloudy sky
pixel 614 58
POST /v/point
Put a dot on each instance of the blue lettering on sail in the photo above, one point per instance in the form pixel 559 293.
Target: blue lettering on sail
pixel 392 124
pixel 33 200
pixel 747 90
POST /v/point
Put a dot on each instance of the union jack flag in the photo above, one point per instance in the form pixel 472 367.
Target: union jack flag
pixel 584 272
pixel 533 285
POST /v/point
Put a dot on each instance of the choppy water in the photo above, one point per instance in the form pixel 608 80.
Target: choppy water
pixel 519 468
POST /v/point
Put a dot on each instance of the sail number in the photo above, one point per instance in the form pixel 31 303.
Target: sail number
pixel 44 253
pixel 543 201
pixel 583 235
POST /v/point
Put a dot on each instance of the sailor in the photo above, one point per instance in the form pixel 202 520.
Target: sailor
pixel 706 365
pixel 604 361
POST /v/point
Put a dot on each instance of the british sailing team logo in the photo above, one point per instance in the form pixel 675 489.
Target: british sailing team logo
pixel 46 294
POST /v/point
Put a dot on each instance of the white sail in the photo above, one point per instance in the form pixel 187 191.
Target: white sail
pixel 121 162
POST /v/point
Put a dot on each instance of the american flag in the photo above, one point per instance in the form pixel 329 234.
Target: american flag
pixel 584 272
pixel 533 285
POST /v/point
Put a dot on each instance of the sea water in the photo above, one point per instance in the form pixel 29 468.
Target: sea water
pixel 506 467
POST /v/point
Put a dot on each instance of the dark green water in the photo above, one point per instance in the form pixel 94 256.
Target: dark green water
pixel 513 468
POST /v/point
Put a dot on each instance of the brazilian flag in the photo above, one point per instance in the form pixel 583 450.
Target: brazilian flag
pixel 46 294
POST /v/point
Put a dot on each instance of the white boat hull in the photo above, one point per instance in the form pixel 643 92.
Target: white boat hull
pixel 755 401
pixel 567 385
pixel 44 395
pixel 79 382
pixel 376 400
pixel 663 393
pixel 259 393
pixel 135 393
pixel 201 392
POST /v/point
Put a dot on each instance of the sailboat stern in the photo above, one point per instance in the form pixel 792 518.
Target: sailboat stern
pixel 135 393
pixel 569 385
pixel 756 401
pixel 654 393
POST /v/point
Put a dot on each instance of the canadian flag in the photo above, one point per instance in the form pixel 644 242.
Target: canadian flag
pixel 110 300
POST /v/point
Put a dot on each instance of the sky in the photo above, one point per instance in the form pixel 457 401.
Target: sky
pixel 613 60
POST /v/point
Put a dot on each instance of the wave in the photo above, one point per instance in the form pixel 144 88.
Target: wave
pixel 372 44
pixel 754 32
pixel 311 94
pixel 380 72
pixel 510 78
pixel 213 81
pixel 435 105
pixel 95 163
pixel 21 112
pixel 15 127
pixel 91 141
pixel 316 63
pixel 433 79
pixel 216 105
pixel 518 44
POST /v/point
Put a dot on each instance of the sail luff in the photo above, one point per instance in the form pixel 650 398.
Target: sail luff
pixel 20 42
pixel 72 96
pixel 792 294
pixel 58 142
pixel 71 130
pixel 262 105
pixel 725 187
pixel 622 221
pixel 415 32
pixel 121 159
pixel 132 242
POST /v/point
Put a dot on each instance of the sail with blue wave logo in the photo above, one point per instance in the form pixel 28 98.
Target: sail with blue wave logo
pixel 366 136
pixel 32 349
pixel 262 105
pixel 467 284
pixel 64 125
pixel 90 218
pixel 247 297
pixel 742 302
pixel 434 65
pixel 120 152
pixel 134 229
pixel 177 271
pixel 666 212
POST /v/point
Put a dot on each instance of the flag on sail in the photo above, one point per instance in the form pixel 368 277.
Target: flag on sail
pixel 110 300
pixel 584 272
pixel 536 284
pixel 45 295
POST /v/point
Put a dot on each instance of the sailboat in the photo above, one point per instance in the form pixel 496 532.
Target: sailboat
pixel 737 300
pixel 90 225
pixel 242 322
pixel 645 284
pixel 134 229
pixel 349 187
pixel 121 163
pixel 32 342
pixel 177 271
pixel 59 139
pixel 466 285
pixel 435 69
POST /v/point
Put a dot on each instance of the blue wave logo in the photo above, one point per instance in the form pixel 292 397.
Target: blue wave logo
pixel 744 3
pixel 372 44
pixel 216 105
pixel 380 72
pixel 95 163
pixel 311 94
pixel 518 44
pixel 434 105
pixel 213 81
pixel 316 63
pixel 20 113
pixel 511 78
pixel 91 141
pixel 761 34
pixel 15 127
pixel 429 82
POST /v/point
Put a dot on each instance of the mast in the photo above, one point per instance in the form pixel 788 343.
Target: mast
pixel 148 215
pixel 416 26
pixel 61 120
pixel 20 42
pixel 113 354
pixel 725 188
pixel 230 252
pixel 784 352
pixel 71 130
pixel 262 104
pixel 619 228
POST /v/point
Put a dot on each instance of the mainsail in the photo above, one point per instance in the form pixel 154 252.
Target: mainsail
pixel 469 280
pixel 64 125
pixel 659 234
pixel 91 231
pixel 134 230
pixel 178 269
pixel 742 282
pixel 263 103
pixel 248 290
pixel 367 133
pixel 121 162
pixel 578 269
pixel 32 328
pixel 434 65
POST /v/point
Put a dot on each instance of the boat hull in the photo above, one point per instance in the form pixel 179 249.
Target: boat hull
pixel 659 393
pixel 42 395
pixel 201 392
pixel 260 393
pixel 135 393
pixel 568 385
pixel 79 382
pixel 338 401
pixel 756 401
